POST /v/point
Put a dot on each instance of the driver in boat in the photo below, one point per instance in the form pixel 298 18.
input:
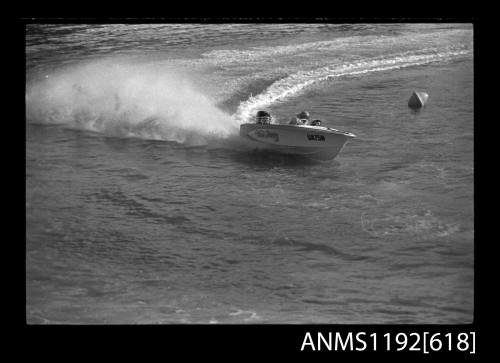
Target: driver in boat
pixel 263 117
pixel 300 119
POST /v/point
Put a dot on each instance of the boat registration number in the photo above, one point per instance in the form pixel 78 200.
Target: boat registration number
pixel 315 137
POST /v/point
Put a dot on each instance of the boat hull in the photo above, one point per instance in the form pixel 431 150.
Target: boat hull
pixel 315 142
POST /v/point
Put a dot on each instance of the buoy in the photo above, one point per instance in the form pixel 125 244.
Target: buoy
pixel 418 100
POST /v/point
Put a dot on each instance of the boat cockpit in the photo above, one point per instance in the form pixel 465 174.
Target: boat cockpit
pixel 264 117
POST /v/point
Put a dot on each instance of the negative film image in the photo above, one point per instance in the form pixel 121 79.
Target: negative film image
pixel 249 173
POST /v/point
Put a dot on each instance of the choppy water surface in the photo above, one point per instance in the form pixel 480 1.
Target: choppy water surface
pixel 143 206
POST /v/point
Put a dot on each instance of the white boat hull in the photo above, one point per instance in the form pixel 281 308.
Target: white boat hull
pixel 315 142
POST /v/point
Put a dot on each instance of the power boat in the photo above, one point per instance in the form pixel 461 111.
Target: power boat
pixel 300 137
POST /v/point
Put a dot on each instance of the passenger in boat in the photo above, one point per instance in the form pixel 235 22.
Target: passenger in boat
pixel 263 117
pixel 315 123
pixel 300 119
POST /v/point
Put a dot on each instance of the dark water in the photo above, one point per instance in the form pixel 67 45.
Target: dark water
pixel 143 206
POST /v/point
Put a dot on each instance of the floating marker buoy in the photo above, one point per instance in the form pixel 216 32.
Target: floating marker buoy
pixel 418 100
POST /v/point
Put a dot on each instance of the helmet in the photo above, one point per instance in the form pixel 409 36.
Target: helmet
pixel 303 114
pixel 263 114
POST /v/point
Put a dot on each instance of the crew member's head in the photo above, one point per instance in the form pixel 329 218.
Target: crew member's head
pixel 303 114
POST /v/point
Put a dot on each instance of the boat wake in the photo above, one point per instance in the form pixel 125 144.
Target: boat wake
pixel 301 81
pixel 128 100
